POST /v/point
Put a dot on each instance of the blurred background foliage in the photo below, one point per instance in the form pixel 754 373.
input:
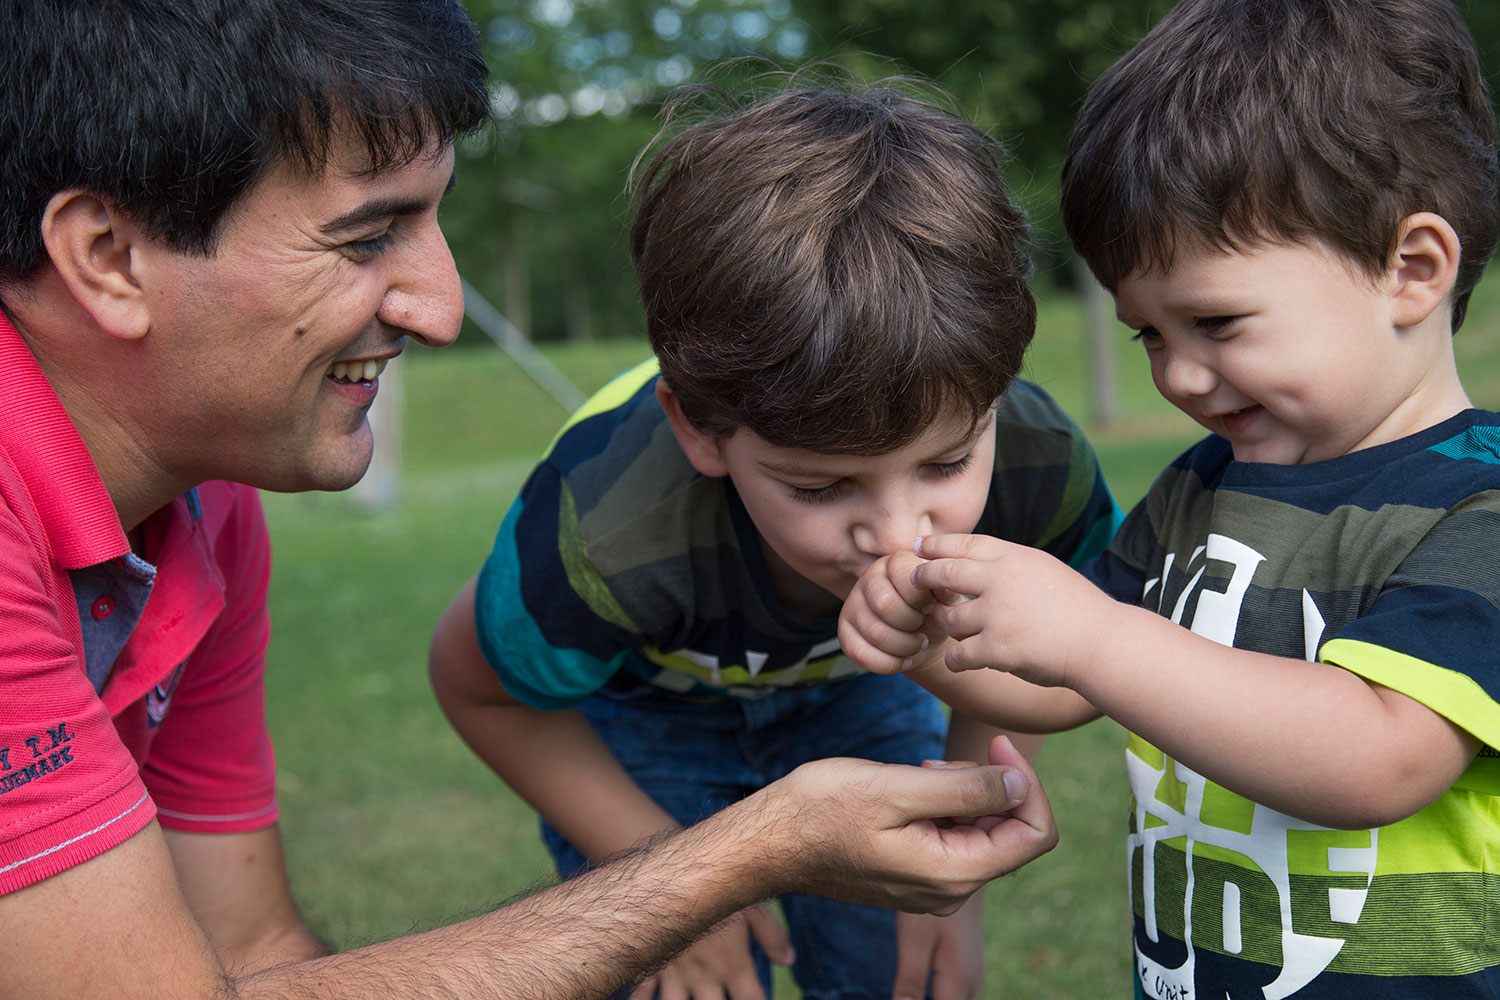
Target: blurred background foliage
pixel 538 221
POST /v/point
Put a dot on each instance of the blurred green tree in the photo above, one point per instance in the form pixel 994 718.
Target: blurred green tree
pixel 538 224
pixel 1019 68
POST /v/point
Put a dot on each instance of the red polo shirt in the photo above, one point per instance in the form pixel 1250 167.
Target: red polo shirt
pixel 172 725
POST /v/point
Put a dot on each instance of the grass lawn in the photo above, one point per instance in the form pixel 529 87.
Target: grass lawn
pixel 392 826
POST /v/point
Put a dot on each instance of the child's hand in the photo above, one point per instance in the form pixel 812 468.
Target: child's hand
pixel 950 949
pixel 719 966
pixel 1026 613
pixel 881 624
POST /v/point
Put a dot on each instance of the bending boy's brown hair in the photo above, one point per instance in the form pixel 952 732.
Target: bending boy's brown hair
pixel 832 270
pixel 1235 122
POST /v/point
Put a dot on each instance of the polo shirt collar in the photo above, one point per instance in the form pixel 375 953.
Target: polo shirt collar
pixel 40 441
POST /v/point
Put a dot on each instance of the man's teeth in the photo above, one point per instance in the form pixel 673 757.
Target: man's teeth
pixel 356 371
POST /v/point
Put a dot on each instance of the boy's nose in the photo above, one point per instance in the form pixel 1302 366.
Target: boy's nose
pixel 891 531
pixel 1183 375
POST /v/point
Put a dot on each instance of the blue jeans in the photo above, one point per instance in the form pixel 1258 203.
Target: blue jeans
pixel 694 758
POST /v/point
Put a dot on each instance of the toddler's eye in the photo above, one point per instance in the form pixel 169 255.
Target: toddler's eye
pixel 1147 335
pixel 1212 324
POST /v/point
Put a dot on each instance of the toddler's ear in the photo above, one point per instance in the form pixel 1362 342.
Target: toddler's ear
pixel 702 450
pixel 1425 267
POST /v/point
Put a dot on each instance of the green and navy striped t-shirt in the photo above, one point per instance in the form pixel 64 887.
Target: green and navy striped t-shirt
pixel 619 563
pixel 1385 562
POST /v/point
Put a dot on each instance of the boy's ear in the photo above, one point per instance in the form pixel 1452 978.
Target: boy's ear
pixel 93 247
pixel 1425 267
pixel 702 450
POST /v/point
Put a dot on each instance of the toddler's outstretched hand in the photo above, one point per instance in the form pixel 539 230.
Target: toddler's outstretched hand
pixel 1026 613
pixel 881 626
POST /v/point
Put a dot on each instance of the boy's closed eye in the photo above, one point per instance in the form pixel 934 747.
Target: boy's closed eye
pixel 1213 324
pixel 822 494
pixel 818 494
pixel 1210 325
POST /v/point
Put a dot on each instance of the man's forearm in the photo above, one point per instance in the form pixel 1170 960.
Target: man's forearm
pixel 583 938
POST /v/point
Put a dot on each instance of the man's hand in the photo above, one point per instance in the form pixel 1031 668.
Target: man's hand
pixel 907 838
pixel 720 965
pixel 1025 612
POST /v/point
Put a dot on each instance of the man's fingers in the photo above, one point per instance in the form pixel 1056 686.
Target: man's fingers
pixel 967 791
pixel 1034 810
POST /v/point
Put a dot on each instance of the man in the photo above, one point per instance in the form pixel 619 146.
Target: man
pixel 218 222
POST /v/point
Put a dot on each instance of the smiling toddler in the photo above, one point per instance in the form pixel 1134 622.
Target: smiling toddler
pixel 1291 202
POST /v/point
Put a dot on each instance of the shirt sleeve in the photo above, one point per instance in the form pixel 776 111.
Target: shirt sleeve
pixel 547 623
pixel 1048 490
pixel 1431 632
pixel 211 768
pixel 69 789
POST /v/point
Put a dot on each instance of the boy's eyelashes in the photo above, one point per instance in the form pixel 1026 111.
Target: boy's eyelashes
pixel 822 494
pixel 1210 324
pixel 1203 324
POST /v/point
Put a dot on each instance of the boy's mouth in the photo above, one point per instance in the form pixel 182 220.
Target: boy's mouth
pixel 1236 420
pixel 347 372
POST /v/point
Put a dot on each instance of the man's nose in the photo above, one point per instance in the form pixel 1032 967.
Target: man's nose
pixel 426 299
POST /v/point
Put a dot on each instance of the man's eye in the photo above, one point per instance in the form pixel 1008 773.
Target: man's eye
pixel 370 248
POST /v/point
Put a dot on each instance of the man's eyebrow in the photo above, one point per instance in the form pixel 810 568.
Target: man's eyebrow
pixel 377 209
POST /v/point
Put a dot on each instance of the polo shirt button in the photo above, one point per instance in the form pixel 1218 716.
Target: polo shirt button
pixel 103 608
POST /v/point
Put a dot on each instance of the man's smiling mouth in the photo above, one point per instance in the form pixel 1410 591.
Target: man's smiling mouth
pixel 356 371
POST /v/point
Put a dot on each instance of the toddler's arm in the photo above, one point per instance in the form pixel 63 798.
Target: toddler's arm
pixel 1310 739
pixel 887 626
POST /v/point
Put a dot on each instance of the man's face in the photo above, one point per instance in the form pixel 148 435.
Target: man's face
pixel 824 518
pixel 268 352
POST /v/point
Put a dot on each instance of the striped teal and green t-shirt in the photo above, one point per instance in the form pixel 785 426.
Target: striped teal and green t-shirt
pixel 1385 562
pixel 619 563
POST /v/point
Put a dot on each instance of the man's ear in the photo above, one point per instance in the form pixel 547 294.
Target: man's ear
pixel 1425 267
pixel 702 450
pixel 93 246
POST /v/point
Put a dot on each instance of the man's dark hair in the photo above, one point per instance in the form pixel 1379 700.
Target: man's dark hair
pixel 172 109
pixel 832 270
pixel 1235 122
